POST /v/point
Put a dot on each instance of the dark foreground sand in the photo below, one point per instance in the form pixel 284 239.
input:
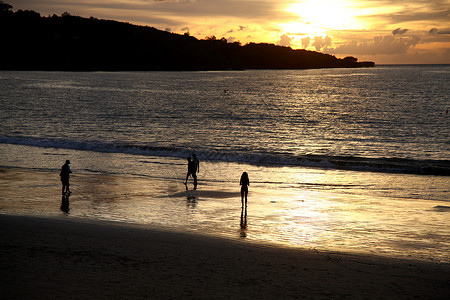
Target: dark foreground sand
pixel 67 258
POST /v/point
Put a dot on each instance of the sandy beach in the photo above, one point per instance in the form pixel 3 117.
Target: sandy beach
pixel 45 258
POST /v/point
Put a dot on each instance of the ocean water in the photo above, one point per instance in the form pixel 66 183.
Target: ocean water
pixel 338 158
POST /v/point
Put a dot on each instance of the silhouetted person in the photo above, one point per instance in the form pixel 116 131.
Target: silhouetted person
pixel 196 167
pixel 245 182
pixel 192 170
pixel 65 171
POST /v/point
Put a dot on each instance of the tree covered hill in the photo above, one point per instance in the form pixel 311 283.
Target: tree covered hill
pixel 33 42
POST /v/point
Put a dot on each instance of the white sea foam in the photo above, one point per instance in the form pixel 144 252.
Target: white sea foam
pixel 424 167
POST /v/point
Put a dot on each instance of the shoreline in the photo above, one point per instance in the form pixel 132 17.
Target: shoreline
pixel 53 257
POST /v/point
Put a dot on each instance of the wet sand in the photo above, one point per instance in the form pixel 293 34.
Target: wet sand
pixel 44 258
pixel 47 254
pixel 308 219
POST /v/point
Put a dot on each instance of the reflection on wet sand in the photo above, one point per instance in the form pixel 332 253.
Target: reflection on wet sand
pixel 191 196
pixel 294 217
pixel 65 203
pixel 191 201
pixel 243 231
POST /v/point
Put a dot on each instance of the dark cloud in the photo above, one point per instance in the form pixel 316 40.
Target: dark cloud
pixel 173 14
pixel 248 9
pixel 411 15
pixel 412 11
pixel 399 31
pixel 240 28
pixel 434 31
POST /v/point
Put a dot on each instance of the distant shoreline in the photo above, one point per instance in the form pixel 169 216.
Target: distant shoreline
pixel 229 70
pixel 413 65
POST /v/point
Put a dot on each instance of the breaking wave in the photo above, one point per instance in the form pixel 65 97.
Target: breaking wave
pixel 386 165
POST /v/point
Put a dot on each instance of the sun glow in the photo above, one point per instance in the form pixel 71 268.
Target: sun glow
pixel 324 14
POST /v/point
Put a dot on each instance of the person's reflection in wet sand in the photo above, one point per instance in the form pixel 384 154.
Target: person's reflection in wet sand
pixel 243 231
pixel 191 197
pixel 191 201
pixel 65 203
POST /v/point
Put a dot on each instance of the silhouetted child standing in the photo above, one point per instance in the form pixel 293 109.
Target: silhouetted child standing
pixel 65 171
pixel 245 182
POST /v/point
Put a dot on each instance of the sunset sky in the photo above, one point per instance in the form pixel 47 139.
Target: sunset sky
pixel 384 31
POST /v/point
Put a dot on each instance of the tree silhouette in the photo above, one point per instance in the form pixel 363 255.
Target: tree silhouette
pixel 67 42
